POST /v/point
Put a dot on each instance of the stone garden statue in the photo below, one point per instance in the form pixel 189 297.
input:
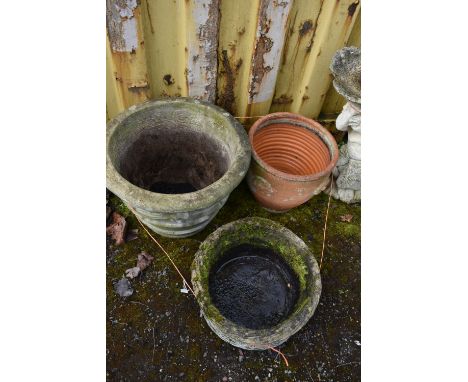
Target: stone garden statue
pixel 346 69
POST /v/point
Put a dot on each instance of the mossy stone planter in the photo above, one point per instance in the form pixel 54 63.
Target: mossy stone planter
pixel 262 233
pixel 174 162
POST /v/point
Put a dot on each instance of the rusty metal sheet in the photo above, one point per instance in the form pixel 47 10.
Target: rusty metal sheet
pixel 334 102
pixel 249 56
pixel 315 33
pixel 269 41
pixel 237 31
pixel 334 27
pixel 165 44
pixel 202 43
pixel 127 51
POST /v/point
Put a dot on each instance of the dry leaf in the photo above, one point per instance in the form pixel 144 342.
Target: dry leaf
pixel 144 260
pixel 132 272
pixel 346 218
pixel 117 229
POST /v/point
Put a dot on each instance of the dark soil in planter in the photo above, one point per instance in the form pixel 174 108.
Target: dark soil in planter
pixel 253 287
pixel 172 188
pixel 173 161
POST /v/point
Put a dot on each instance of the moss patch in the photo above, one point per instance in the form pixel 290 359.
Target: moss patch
pixel 183 343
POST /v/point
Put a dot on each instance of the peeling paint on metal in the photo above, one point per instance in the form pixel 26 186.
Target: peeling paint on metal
pixel 168 80
pixel 271 32
pixel 122 25
pixel 226 97
pixel 126 51
pixel 202 50
pixel 283 100
pixel 139 87
pixel 333 33
pixel 305 27
pixel 237 51
pixel 138 84
pixel 352 8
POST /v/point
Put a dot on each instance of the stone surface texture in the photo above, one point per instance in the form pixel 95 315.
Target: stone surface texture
pixel 269 234
pixel 179 215
pixel 346 67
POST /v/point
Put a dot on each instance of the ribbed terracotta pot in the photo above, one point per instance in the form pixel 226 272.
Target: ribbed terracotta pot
pixel 292 159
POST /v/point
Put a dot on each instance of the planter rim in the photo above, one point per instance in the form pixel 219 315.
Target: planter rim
pixel 312 124
pixel 264 338
pixel 186 202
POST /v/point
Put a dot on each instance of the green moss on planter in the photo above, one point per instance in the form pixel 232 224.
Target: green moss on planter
pixel 121 207
pixel 295 260
pixel 252 234
pixel 264 233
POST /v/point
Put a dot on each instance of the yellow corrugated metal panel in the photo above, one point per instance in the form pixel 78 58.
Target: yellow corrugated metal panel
pixel 127 51
pixel 249 56
pixel 181 44
pixel 202 48
pixel 355 37
pixel 334 102
pixel 114 99
pixel 236 37
pixel 301 32
pixel 269 44
pixel 164 23
pixel 311 78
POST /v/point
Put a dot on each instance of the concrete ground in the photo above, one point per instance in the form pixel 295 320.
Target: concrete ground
pixel 157 333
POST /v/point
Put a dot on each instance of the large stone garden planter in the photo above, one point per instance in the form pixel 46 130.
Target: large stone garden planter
pixel 292 160
pixel 263 235
pixel 174 162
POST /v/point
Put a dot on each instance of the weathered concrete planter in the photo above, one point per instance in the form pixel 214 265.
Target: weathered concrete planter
pixel 174 162
pixel 293 158
pixel 267 234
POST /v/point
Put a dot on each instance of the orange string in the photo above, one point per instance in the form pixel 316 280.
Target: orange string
pixel 169 257
pixel 281 354
pixel 326 219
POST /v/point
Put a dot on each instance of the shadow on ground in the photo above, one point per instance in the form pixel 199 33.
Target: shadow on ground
pixel 157 333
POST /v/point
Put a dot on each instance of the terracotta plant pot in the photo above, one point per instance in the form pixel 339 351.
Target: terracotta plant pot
pixel 174 162
pixel 292 159
pixel 262 234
